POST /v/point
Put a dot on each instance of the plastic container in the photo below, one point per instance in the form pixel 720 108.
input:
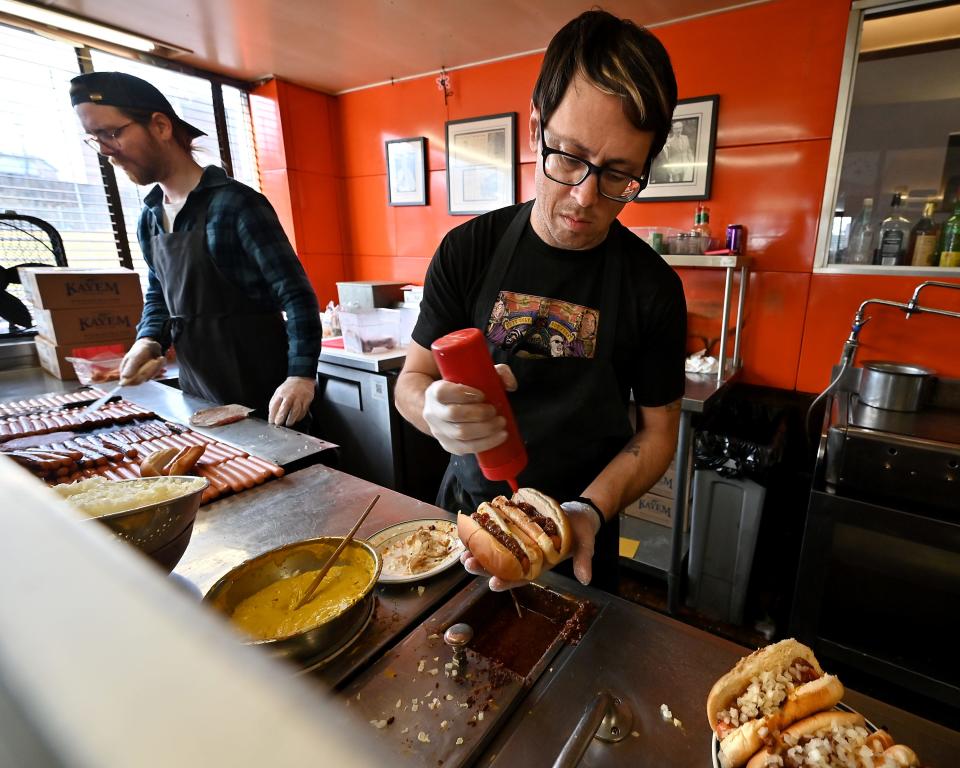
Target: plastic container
pixel 370 330
pixel 97 370
pixel 656 237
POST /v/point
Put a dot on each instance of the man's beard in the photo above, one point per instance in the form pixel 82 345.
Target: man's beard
pixel 140 175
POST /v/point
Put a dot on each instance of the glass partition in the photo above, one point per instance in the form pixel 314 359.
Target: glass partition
pixel 892 188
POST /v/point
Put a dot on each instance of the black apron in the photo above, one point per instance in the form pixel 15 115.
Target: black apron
pixel 231 348
pixel 574 433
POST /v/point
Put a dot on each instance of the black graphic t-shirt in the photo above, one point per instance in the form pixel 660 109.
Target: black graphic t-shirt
pixel 549 304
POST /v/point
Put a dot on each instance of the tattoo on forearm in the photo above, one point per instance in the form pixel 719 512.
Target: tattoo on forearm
pixel 633 447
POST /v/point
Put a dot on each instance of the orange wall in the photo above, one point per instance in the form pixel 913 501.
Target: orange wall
pixel 776 68
pixel 296 131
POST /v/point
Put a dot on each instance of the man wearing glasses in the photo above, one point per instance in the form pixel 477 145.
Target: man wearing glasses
pixel 600 112
pixel 221 269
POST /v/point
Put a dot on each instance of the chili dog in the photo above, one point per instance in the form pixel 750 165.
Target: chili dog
pixel 834 740
pixel 516 538
pixel 764 693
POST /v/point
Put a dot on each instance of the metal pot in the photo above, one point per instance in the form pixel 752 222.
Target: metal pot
pixel 301 556
pixel 160 529
pixel 893 386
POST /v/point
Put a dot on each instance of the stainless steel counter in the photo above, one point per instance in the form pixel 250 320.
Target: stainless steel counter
pixel 644 657
pixel 291 450
pixel 317 501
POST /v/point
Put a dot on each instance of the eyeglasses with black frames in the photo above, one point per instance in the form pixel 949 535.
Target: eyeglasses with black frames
pixel 564 168
pixel 106 138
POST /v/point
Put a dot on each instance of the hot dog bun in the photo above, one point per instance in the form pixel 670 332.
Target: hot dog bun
pixel 542 519
pixel 765 692
pixel 484 533
pixel 829 739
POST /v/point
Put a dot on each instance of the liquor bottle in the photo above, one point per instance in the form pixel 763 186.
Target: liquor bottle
pixel 923 239
pixel 894 237
pixel 860 248
pixel 950 240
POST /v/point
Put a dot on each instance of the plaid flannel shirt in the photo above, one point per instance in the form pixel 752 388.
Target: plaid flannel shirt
pixel 248 245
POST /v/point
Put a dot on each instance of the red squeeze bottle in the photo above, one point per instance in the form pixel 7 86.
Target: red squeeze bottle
pixel 463 358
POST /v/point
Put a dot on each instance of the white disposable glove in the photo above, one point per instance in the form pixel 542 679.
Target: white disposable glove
pixel 461 420
pixel 291 401
pixel 584 524
pixel 133 369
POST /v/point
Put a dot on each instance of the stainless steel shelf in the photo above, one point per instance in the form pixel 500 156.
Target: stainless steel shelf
pixel 727 261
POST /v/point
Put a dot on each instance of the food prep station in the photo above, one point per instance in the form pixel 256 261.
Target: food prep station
pixel 580 680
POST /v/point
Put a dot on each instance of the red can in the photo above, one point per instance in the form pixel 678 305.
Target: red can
pixel 463 358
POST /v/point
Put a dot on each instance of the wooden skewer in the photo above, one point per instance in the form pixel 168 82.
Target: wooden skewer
pixel 516 603
pixel 333 558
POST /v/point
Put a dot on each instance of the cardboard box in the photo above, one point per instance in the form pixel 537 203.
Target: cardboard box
pixel 664 486
pixel 85 326
pixel 68 288
pixel 655 509
pixel 53 356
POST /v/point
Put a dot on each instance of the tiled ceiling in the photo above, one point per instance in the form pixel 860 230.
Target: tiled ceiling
pixel 337 45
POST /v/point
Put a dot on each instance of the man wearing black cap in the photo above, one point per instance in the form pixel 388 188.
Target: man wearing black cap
pixel 221 268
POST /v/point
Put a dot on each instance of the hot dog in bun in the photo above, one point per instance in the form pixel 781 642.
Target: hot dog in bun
pixel 764 693
pixel 542 519
pixel 501 547
pixel 834 740
pixel 516 538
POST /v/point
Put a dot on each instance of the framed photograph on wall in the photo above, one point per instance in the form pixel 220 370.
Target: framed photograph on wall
pixel 683 170
pixel 406 171
pixel 481 163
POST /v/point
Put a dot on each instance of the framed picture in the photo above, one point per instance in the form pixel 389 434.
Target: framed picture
pixel 481 163
pixel 683 169
pixel 406 171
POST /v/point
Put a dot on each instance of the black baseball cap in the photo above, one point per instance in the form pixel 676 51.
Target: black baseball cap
pixel 118 89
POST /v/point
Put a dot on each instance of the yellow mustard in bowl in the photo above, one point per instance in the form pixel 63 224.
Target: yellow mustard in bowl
pixel 269 614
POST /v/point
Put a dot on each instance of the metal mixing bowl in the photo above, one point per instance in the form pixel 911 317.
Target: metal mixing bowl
pixel 301 556
pixel 160 530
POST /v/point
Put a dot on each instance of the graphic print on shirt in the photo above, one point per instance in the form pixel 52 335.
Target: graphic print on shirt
pixel 540 327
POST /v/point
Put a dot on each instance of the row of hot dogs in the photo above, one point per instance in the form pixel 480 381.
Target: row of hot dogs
pixel 72 420
pixel 49 402
pixel 45 441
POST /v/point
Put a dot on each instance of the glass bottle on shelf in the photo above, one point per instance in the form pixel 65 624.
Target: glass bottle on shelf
pixel 923 239
pixel 701 228
pixel 860 247
pixel 894 237
pixel 950 239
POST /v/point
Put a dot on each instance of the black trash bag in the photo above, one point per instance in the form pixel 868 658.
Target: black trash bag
pixel 741 439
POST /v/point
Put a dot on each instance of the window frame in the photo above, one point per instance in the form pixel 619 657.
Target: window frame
pixel 859 10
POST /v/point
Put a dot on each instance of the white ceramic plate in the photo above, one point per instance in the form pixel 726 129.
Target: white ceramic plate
pixel 391 537
pixel 715 744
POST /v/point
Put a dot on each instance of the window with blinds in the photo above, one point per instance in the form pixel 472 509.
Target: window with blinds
pixel 45 168
pixel 48 172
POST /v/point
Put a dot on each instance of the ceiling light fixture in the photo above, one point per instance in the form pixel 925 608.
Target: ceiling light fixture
pixel 90 30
